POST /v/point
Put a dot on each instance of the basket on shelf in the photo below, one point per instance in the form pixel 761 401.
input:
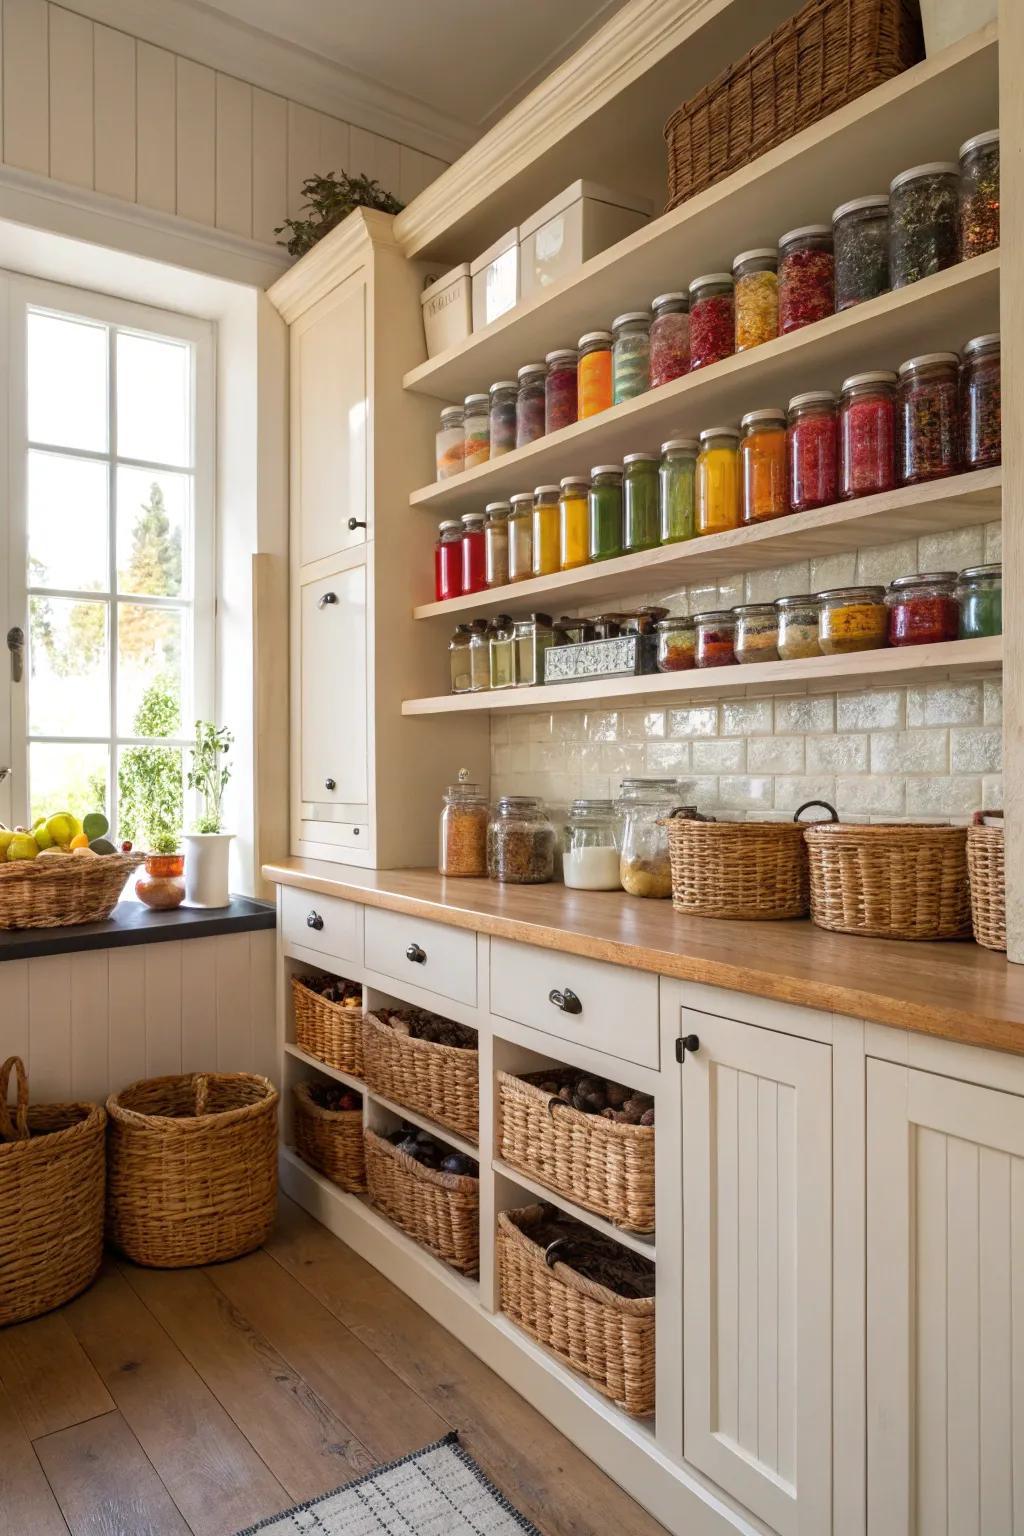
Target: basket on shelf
pixel 826 55
pixel 738 869
pixel 608 1338
pixel 986 869
pixel 52 1164
pixel 192 1168
pixel 326 1029
pixel 602 1165
pixel 440 1211
pixel 330 1140
pixel 59 892
pixel 892 880
pixel 442 1082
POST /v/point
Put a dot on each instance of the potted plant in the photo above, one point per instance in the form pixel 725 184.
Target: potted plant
pixel 328 200
pixel 206 867
pixel 161 884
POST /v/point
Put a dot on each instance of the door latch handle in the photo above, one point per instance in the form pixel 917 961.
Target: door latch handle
pixel 328 600
pixel 567 1001
pixel 686 1043
pixel 16 646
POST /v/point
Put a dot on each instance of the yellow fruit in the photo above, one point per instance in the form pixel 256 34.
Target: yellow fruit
pixel 52 853
pixel 6 839
pixel 78 841
pixel 61 828
pixel 41 835
pixel 76 853
pixel 22 846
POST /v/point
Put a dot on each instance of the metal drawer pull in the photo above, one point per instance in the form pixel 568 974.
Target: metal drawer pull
pixel 686 1043
pixel 354 523
pixel 330 784
pixel 417 955
pixel 314 920
pixel 567 1001
pixel 328 600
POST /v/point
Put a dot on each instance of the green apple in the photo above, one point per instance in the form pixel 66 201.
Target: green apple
pixel 22 846
pixel 41 835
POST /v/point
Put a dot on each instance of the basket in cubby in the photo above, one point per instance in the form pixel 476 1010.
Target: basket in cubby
pixel 607 1337
pixel 890 880
pixel 330 1140
pixel 441 1082
pixel 755 870
pixel 328 1030
pixel 440 1211
pixel 602 1165
pixel 986 868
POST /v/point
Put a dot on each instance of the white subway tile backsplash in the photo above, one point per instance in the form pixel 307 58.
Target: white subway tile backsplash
pixel 603 725
pixel 833 571
pixel 731 591
pixel 992 792
pixel 870 795
pixel 667 757
pixel 642 724
pixel 747 717
pixel 993 542
pixel 942 797
pixel 922 751
pixel 945 704
pixel 700 790
pixel 992 702
pixel 805 715
pixel 699 720
pixel 844 753
pixel 977 749
pixel 952 550
pixel 881 563
pixel 719 756
pixel 743 793
pixel 778 581
pixel 775 754
pixel 568 725
pixel 795 791
pixel 879 710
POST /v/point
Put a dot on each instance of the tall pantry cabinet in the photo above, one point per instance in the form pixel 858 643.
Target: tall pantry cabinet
pixel 365 783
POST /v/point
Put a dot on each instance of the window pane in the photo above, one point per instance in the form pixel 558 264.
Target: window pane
pixel 68 694
pixel 67 382
pixel 152 515
pixel 149 792
pixel 67 776
pixel 149 683
pixel 67 523
pixel 153 399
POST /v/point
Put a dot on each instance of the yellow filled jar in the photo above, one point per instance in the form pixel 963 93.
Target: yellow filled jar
pixel 573 524
pixel 719 499
pixel 545 530
pixel 852 619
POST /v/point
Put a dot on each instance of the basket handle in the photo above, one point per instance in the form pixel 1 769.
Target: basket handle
pixel 978 818
pixel 555 1102
pixel 833 814
pixel 553 1251
pixel 16 1129
pixel 202 1085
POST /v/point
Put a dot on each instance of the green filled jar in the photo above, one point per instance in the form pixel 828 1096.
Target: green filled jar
pixel 640 517
pixel 979 591
pixel 604 507
pixel 676 490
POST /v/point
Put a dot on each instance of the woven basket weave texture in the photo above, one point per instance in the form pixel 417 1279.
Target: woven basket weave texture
pixel 441 1211
pixel 330 1140
pixel 54 892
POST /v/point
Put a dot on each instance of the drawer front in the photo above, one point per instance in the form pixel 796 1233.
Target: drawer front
pixel 430 955
pixel 323 923
pixel 618 1010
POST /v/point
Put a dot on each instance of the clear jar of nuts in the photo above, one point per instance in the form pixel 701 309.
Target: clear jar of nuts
pixel 463 841
pixel 520 842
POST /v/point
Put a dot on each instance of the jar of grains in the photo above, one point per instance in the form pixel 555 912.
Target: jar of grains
pixel 755 275
pixel 520 536
pixel 572 523
pixel 670 338
pixel 852 619
pixel 631 355
pixel 860 237
pixel 503 416
pixel 923 609
pixel 924 221
pixel 979 194
pixel 458 658
pixel 806 276
pixel 534 635
pixel 530 403
pixel 520 842
pixel 812 450
pixel 560 389
pixel 448 560
pixel 715 637
pixel 604 512
pixel 677 640
pixel 545 530
pixel 757 633
pixel 763 465
pixel 474 553
pixel 477 417
pixel 867 437
pixel 451 442
pixel 590 860
pixel 798 627
pixel 462 848
pixel 480 657
pixel 641 522
pixel 928 436
pixel 644 867
pixel 677 489
pixel 719 497
pixel 981 404
pixel 503 651
pixel 712 325
pixel 979 592
pixel 496 543
pixel 594 374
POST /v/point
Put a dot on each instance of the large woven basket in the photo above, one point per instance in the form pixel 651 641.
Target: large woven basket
pixel 826 55
pixel 738 869
pixel 329 1031
pixel 330 1140
pixel 608 1338
pixel 192 1168
pixel 440 1081
pixel 600 1164
pixel 986 868
pixel 52 1162
pixel 441 1211
pixel 891 881
pixel 58 892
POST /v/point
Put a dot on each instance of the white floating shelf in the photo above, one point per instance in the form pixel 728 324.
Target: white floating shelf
pixel 432 1127
pixel 321 1066
pixel 635 1240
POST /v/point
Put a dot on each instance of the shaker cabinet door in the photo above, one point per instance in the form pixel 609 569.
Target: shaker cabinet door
pixel 332 670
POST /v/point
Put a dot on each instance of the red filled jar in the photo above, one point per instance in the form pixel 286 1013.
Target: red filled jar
pixel 670 338
pixel 560 389
pixel 715 637
pixel 982 405
pixel 923 609
pixel 867 434
pixel 929 417
pixel 812 450
pixel 448 561
pixel 474 553
pixel 806 276
pixel 712 327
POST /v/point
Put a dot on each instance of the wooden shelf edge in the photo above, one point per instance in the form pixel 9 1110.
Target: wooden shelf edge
pixel 298 1054
pixel 424 1123
pixel 634 1240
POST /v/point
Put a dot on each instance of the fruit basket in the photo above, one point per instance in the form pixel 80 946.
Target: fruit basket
pixel 329 1137
pixel 61 890
pixel 426 1063
pixel 326 1026
pixel 440 1211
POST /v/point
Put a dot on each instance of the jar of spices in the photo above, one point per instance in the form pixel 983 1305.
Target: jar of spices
pixel 712 327
pixel 533 636
pixel 573 523
pixel 755 275
pixel 924 221
pixel 812 450
pixel 677 641
pixel 496 543
pixel 979 592
pixel 462 845
pixel 474 553
pixel 928 440
pixel 560 389
pixel 604 511
pixel 530 403
pixel 644 622
pixel 806 277
pixel 477 417
pixel 867 438
pixel 719 498
pixel 594 374
pixel 458 658
pixel 503 396
pixel 590 861
pixel 923 609
pixel 631 355
pixel 852 619
pixel 763 465
pixel 480 657
pixel 715 638
pixel 641 522
pixel 756 636
pixel 798 627
pixel 501 635
pixel 545 530
pixel 520 536
pixel 644 865
pixel 982 406
pixel 979 194
pixel 451 442
pixel 670 338
pixel 860 236
pixel 448 560
pixel 677 489
pixel 520 842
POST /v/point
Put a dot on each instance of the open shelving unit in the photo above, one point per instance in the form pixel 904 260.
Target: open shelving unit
pixel 637 1241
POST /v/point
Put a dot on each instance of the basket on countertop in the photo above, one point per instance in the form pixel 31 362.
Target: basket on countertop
pixel 440 1211
pixel 986 869
pixel 330 1140
pixel 441 1082
pixel 62 891
pixel 738 869
pixel 327 1029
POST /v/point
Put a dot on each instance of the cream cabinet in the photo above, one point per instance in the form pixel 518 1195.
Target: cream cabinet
pixel 333 728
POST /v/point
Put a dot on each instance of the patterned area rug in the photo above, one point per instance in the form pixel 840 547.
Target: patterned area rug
pixel 439 1491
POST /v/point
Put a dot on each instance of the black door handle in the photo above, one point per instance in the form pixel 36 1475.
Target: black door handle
pixel 567 1001
pixel 417 955
pixel 686 1043
pixel 330 784
pixel 354 523
pixel 328 600
pixel 314 920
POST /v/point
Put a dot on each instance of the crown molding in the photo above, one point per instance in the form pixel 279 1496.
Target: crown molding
pixel 331 260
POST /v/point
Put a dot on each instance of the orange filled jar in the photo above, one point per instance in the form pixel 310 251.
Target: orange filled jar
pixel 763 465
pixel 594 373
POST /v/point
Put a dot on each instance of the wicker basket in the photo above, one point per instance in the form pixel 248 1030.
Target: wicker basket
pixel 600 1164
pixel 57 892
pixel 738 869
pixel 52 1164
pixel 826 55
pixel 892 881
pixel 986 868
pixel 441 1211
pixel 330 1140
pixel 191 1168
pixel 608 1338
pixel 326 1030
pixel 440 1081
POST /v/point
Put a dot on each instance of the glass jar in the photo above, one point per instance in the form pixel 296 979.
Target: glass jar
pixel 573 523
pixel 640 517
pixel 982 406
pixel 462 844
pixel 644 865
pixel 677 488
pixel 860 236
pixel 533 636
pixel 458 658
pixel 929 418
pixel 924 221
pixel 530 403
pixel 715 638
pixel 448 560
pixel 631 355
pixel 812 450
pixel 606 625
pixel 604 512
pixel 451 442
pixel 501 635
pixel 545 530
pixel 474 553
pixel 594 374
pixel 797 619
pixel 806 277
pixel 503 396
pixel 480 658
pixel 867 436
pixel 719 499
pixel 496 543
pixel 590 861
pixel 755 276
pixel 677 641
pixel 763 465
pixel 756 636
pixel 923 609
pixel 979 194
pixel 670 338
pixel 575 631
pixel 852 619
pixel 644 622
pixel 477 417
pixel 520 842
pixel 712 326
pixel 560 389
pixel 979 592
pixel 520 536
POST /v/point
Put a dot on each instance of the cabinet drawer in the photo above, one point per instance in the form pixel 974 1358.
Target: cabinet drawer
pixel 437 958
pixel 619 1012
pixel 324 923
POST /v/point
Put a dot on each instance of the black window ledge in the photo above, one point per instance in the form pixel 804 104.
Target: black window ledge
pixel 133 923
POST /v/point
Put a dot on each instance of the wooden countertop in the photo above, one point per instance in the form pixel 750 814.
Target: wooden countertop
pixel 957 990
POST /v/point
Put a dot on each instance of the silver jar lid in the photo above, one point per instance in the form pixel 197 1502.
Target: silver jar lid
pixel 545 490
pixel 922 579
pixel 475 400
pixel 978 141
pixel 498 508
pixel 669 298
pixel 770 413
pixel 710 432
pixel 859 204
pixel 503 384
pixel 606 469
pixel 570 480
pixel 710 277
pixel 871 376
pixel 981 343
pixel 683 444
pixel 629 316
pixel 529 368
pixel 759 253
pixel 640 458
pixel 595 336
pixel 812 397
pixel 926 359
pixel 559 354
pixel 450 412
pixel 930 168
pixel 805 232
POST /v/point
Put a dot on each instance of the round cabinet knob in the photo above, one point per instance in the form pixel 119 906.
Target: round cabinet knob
pixel 417 955
pixel 330 784
pixel 354 523
pixel 314 920
pixel 328 600
pixel 566 1001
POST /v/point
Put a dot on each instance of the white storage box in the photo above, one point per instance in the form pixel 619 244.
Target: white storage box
pixel 577 224
pixel 447 310
pixel 945 22
pixel 495 275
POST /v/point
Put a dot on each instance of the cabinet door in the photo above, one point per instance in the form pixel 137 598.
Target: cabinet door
pixel 945 1297
pixel 757 1269
pixel 333 727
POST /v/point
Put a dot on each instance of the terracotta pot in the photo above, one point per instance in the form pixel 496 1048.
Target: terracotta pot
pixel 161 883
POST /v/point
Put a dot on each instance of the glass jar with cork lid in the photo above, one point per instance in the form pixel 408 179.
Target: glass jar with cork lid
pixel 462 848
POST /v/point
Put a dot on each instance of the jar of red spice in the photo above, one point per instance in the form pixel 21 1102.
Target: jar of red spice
pixel 448 560
pixel 867 439
pixel 714 643
pixel 712 327
pixel 756 277
pixel 982 406
pixel 670 338
pixel 474 553
pixel 806 276
pixel 923 609
pixel 530 403
pixel 676 644
pixel 594 374
pixel 929 417
pixel 812 450
pixel 560 389
pixel 763 465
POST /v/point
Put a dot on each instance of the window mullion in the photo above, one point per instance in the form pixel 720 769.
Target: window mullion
pixel 112 568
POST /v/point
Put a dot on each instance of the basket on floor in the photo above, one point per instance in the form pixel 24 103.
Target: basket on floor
pixel 608 1338
pixel 59 892
pixel 442 1082
pixel 325 1029
pixel 600 1164
pixel 986 869
pixel 330 1140
pixel 52 1164
pixel 738 869
pixel 826 55
pixel 890 881
pixel 191 1168
pixel 441 1211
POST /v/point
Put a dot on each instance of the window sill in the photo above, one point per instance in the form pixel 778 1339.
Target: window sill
pixel 133 923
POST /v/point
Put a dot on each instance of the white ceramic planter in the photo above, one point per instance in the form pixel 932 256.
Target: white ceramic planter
pixel 206 868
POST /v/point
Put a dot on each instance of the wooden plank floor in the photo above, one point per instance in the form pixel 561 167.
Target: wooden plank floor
pixel 167 1402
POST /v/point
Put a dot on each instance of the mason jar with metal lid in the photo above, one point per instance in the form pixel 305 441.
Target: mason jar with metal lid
pixel 867 434
pixel 502 409
pixel 670 338
pixel 631 355
pixel 520 841
pixel 923 609
pixel 852 619
pixel 590 861
pixel 979 193
pixel 496 542
pixel 594 373
pixel 712 323
pixel 924 221
pixel 640 518
pixel 520 536
pixel 604 509
pixel 812 450
pixel 806 276
pixel 719 494
pixel 756 297
pixel 798 626
pixel 560 389
pixel 451 442
pixel 756 636
pixel 979 592
pixel 573 523
pixel 677 489
pixel 763 465
pixel 530 403
pixel 860 236
pixel 545 530
pixel 928 409
pixel 477 416
pixel 982 403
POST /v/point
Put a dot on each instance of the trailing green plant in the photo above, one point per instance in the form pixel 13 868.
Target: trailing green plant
pixel 328 200
pixel 209 773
